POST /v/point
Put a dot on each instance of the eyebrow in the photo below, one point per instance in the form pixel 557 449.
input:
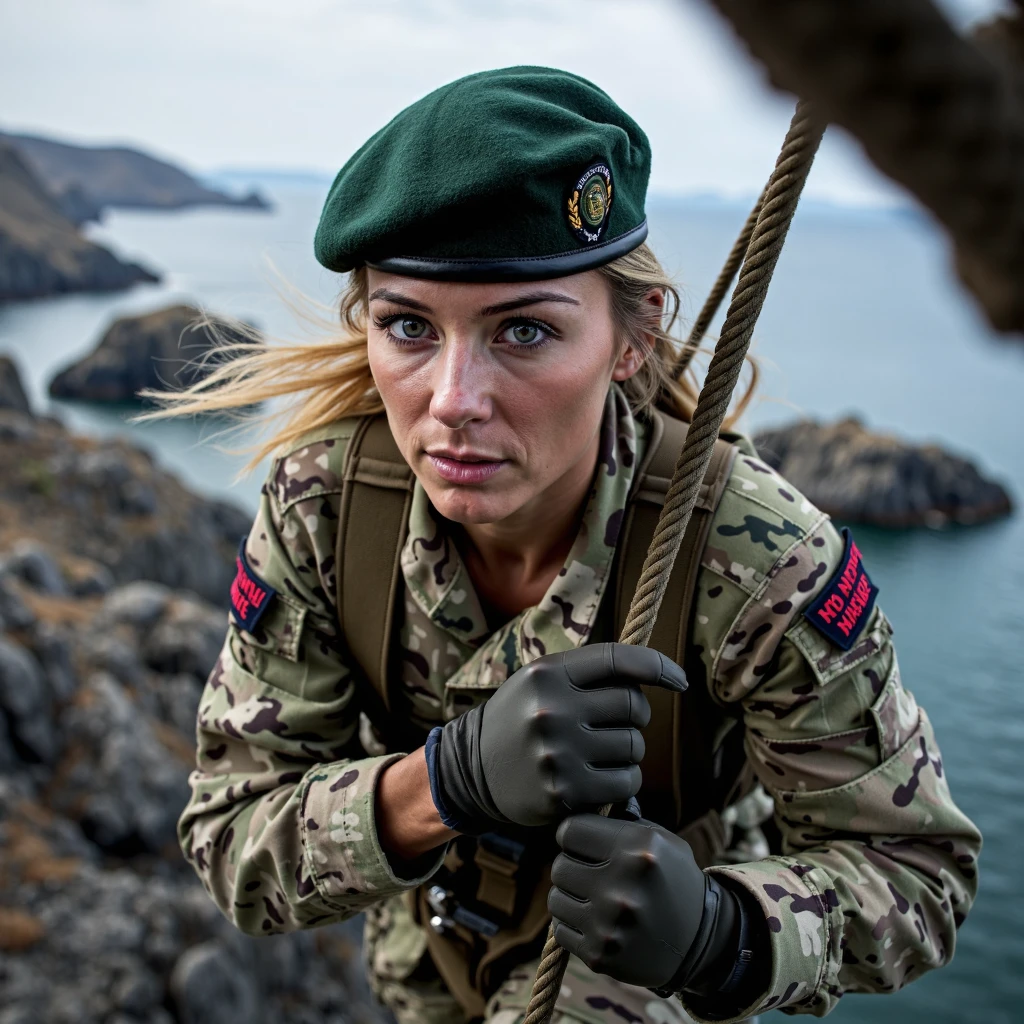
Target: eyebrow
pixel 399 299
pixel 527 300
pixel 531 299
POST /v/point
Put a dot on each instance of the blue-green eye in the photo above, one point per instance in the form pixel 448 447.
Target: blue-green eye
pixel 524 333
pixel 409 328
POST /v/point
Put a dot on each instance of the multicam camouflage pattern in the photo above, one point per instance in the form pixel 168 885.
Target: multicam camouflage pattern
pixel 878 866
pixel 585 998
pixel 395 947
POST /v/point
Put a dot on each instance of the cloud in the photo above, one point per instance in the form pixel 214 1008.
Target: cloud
pixel 258 83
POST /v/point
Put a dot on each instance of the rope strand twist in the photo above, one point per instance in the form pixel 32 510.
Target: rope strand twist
pixel 768 232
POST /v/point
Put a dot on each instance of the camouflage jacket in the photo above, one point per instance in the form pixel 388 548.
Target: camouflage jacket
pixel 877 867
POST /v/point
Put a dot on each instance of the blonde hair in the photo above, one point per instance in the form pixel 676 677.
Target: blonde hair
pixel 331 378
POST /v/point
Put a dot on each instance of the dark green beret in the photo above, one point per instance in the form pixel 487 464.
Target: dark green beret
pixel 518 174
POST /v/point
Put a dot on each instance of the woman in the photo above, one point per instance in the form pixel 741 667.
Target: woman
pixel 417 713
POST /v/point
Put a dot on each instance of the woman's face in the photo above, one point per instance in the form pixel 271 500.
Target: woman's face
pixel 494 392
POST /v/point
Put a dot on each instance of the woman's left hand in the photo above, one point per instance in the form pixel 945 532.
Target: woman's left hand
pixel 630 901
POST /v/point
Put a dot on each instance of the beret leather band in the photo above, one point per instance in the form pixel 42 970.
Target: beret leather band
pixel 523 268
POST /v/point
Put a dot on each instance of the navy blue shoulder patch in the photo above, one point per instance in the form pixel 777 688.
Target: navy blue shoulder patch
pixel 249 594
pixel 845 604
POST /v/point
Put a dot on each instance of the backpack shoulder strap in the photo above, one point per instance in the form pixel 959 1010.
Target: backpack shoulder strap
pixel 674 732
pixel 375 500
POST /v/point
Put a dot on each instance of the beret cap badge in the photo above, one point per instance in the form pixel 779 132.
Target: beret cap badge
pixel 589 203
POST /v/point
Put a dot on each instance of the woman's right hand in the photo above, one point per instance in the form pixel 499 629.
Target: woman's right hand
pixel 561 734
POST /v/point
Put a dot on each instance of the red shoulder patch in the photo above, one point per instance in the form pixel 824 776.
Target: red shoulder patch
pixel 250 595
pixel 842 608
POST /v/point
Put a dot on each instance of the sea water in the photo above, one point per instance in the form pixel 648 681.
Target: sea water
pixel 864 317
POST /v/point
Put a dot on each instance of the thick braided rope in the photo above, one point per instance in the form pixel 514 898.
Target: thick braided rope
pixel 717 293
pixel 931 110
pixel 548 983
pixel 780 200
pixel 781 197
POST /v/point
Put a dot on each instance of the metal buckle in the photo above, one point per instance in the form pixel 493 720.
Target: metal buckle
pixel 448 912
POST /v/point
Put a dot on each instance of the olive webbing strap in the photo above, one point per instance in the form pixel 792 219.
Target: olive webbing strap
pixel 781 196
pixel 375 499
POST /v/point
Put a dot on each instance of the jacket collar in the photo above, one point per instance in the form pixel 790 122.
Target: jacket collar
pixel 439 583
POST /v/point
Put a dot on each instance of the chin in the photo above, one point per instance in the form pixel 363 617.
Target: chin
pixel 460 505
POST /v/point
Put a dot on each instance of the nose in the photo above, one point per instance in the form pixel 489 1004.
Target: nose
pixel 462 393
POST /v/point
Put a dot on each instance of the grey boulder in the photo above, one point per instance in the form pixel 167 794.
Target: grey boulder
pixel 125 787
pixel 25 703
pixel 32 563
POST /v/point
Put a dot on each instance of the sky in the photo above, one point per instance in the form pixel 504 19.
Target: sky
pixel 215 84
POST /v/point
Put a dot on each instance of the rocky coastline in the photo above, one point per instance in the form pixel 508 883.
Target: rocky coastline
pixel 111 511
pixel 861 476
pixel 113 582
pixel 49 189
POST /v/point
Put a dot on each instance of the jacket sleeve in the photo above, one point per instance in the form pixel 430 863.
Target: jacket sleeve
pixel 878 865
pixel 280 827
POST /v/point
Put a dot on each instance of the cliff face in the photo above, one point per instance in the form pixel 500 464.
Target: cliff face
pixel 136 352
pixel 113 585
pixel 41 250
pixel 110 504
pixel 116 176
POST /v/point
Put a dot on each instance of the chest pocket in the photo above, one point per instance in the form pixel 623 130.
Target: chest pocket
pixel 279 630
pixel 278 652
pixel 827 661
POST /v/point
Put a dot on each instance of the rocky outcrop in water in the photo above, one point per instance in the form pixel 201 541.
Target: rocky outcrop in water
pixel 156 350
pixel 86 179
pixel 101 919
pixel 12 391
pixel 41 250
pixel 860 476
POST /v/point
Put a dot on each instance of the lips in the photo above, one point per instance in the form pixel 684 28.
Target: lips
pixel 465 467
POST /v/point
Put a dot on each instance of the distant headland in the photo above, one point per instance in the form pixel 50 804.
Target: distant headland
pixel 86 180
pixel 49 189
pixel 42 252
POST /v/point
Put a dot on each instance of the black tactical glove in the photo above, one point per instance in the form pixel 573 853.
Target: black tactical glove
pixel 561 734
pixel 630 902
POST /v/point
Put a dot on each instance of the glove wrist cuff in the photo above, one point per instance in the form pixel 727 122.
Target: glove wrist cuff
pixel 455 771
pixel 694 961
pixel 430 752
pixel 744 953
